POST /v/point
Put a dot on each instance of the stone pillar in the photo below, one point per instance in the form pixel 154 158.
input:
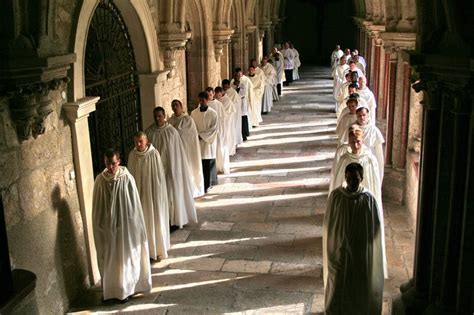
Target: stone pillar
pixel 391 77
pixel 458 110
pixel 386 81
pixel 401 160
pixel 397 85
pixel 225 62
pixel 376 69
pixel 77 113
pixel 443 277
pixel 368 58
pixel 150 95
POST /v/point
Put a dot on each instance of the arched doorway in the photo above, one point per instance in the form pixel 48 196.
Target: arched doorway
pixel 110 72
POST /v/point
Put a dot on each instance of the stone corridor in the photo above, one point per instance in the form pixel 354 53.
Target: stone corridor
pixel 257 247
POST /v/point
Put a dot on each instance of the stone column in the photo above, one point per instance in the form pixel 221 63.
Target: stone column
pixel 443 277
pixel 459 112
pixel 368 57
pixel 397 116
pixel 150 95
pixel 391 78
pixel 386 81
pixel 401 160
pixel 77 114
pixel 377 68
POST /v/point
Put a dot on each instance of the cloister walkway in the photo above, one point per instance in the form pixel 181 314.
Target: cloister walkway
pixel 257 247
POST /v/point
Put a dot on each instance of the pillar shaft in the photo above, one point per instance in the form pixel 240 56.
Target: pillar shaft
pixel 390 107
pixel 405 116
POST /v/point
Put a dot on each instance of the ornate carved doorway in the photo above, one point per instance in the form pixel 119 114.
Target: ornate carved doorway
pixel 111 73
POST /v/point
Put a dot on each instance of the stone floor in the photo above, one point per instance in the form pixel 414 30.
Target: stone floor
pixel 257 247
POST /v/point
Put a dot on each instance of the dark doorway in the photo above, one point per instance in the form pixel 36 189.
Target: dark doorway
pixel 316 26
pixel 111 73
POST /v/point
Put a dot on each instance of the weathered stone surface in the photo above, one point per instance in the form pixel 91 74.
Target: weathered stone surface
pixel 210 264
pixel 34 198
pixel 216 226
pixel 247 266
pixel 9 164
pixel 11 206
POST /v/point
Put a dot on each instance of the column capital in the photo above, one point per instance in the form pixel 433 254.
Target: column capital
pixel 27 82
pixel 170 43
pixel 81 108
pixel 399 39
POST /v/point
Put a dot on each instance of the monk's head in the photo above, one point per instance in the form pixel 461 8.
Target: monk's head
pixel 354 174
pixel 112 160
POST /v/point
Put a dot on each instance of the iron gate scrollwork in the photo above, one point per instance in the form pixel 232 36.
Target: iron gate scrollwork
pixel 111 73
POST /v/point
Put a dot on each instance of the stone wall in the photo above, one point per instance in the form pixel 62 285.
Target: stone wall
pixel 175 87
pixel 43 219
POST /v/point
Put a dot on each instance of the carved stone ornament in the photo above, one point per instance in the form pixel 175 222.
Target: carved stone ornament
pixel 221 38
pixel 170 43
pixel 27 84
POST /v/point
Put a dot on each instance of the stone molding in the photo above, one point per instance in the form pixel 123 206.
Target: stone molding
pixel 27 82
pixel 221 38
pixel 170 43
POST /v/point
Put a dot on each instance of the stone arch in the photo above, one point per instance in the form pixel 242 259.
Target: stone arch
pixel 139 21
pixel 197 62
pixel 238 43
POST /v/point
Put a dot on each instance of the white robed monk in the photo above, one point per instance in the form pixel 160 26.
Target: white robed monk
pixel 229 113
pixel 119 232
pixel 244 87
pixel 353 249
pixel 373 137
pixel 347 119
pixel 144 163
pixel 335 55
pixel 167 141
pixel 366 94
pixel 270 77
pixel 189 136
pixel 207 124
pixel 257 77
pixel 237 123
pixel 359 153
pixel 339 75
pixel 296 75
pixel 223 151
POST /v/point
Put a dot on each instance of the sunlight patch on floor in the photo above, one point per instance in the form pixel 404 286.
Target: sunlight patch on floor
pixel 292 133
pixel 260 143
pixel 287 160
pixel 206 243
pixel 254 200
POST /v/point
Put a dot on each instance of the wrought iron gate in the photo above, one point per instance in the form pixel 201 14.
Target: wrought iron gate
pixel 110 72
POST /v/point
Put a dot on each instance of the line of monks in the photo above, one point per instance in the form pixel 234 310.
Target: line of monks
pixel 354 259
pixel 175 160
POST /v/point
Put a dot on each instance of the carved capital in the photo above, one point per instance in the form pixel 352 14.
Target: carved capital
pixel 170 43
pixel 221 38
pixel 30 105
pixel 27 83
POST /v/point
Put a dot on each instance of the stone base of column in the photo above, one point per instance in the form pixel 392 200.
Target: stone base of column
pixel 393 187
pixel 410 302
